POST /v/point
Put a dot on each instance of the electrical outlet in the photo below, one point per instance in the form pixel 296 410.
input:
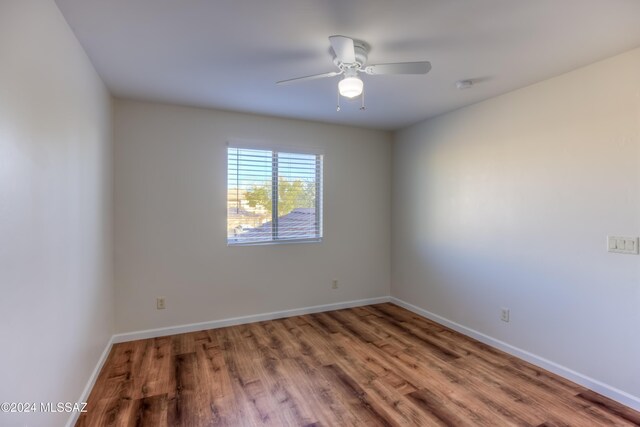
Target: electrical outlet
pixel 334 284
pixel 504 314
pixel 160 303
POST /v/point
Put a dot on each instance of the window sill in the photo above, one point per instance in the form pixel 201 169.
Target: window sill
pixel 275 242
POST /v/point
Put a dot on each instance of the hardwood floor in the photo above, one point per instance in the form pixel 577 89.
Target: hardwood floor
pixel 379 365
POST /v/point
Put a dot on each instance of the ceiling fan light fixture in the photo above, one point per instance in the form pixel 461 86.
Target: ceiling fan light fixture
pixel 350 87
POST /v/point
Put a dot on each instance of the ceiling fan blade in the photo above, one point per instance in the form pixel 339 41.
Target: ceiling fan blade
pixel 313 77
pixel 343 48
pixel 399 68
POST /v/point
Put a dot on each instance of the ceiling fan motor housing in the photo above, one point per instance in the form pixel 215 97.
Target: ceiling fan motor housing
pixel 362 52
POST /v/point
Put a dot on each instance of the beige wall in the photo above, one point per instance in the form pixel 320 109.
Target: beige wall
pixel 507 203
pixel 170 219
pixel 56 306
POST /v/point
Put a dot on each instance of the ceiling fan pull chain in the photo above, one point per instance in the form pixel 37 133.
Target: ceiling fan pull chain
pixel 338 105
pixel 362 107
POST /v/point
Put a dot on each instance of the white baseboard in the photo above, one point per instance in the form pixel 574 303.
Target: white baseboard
pixel 593 384
pixel 73 419
pixel 193 327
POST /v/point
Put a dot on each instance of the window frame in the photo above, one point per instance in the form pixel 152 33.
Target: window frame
pixel 319 191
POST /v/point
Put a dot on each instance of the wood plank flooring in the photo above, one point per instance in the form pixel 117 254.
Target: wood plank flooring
pixel 378 365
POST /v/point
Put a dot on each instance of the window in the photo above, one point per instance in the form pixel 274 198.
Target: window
pixel 273 196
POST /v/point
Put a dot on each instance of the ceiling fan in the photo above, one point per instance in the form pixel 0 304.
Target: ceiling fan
pixel 351 58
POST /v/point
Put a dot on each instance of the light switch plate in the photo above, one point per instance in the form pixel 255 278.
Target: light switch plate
pixel 622 245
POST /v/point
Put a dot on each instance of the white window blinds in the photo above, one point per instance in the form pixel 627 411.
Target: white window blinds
pixel 273 196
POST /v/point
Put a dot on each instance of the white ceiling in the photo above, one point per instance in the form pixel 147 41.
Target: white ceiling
pixel 228 54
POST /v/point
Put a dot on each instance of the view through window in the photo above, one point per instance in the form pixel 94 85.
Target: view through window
pixel 273 196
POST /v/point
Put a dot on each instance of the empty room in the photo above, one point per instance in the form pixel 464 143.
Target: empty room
pixel 319 213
